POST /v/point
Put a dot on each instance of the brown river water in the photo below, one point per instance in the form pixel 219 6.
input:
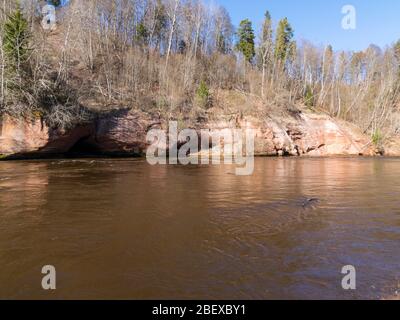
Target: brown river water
pixel 122 229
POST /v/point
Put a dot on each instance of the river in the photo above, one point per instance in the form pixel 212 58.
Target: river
pixel 122 229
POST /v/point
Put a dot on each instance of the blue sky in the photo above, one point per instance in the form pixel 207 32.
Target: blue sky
pixel 319 21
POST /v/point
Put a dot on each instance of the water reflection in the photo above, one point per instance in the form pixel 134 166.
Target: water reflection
pixel 124 229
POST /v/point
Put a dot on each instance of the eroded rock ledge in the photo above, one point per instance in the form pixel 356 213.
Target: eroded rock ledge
pixel 124 133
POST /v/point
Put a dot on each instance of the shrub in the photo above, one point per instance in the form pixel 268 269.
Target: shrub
pixel 16 40
pixel 203 95
pixel 377 137
pixel 309 97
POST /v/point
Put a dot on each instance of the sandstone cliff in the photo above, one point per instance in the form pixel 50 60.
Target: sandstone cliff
pixel 124 133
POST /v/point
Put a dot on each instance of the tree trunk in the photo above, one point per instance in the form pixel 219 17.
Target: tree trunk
pixel 171 34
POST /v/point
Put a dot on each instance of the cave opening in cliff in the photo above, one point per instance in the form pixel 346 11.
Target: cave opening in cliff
pixel 84 147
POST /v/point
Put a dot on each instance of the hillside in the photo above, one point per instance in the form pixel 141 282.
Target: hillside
pixel 100 78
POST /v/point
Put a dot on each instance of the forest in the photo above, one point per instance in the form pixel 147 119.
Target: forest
pixel 184 59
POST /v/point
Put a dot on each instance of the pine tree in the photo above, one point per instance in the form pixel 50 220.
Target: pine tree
pixel 182 47
pixel 292 53
pixel 142 34
pixel 16 40
pixel 203 95
pixel 246 37
pixel 309 97
pixel 283 43
pixel 55 3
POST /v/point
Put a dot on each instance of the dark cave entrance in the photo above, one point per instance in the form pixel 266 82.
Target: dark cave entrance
pixel 84 147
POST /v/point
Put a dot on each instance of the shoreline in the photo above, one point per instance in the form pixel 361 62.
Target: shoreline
pixel 13 158
pixel 126 134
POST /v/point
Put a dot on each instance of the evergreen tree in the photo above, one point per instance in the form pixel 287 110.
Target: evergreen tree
pixel 246 37
pixel 182 47
pixel 309 97
pixel 55 3
pixel 16 40
pixel 292 53
pixel 283 43
pixel 142 34
pixel 203 95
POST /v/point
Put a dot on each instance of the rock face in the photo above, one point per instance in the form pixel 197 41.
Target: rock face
pixel 308 134
pixel 392 147
pixel 124 133
pixel 31 138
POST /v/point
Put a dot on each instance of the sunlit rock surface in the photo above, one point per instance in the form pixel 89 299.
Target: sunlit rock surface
pixel 124 132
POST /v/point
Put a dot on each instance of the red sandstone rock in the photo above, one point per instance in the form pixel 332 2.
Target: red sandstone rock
pixel 34 137
pixel 124 132
pixel 392 147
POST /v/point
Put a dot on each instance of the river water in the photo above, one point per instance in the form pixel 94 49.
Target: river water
pixel 122 229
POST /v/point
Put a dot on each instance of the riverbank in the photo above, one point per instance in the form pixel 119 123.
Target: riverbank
pixel 123 133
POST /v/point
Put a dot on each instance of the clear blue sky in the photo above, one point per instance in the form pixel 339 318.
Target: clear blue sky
pixel 319 21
